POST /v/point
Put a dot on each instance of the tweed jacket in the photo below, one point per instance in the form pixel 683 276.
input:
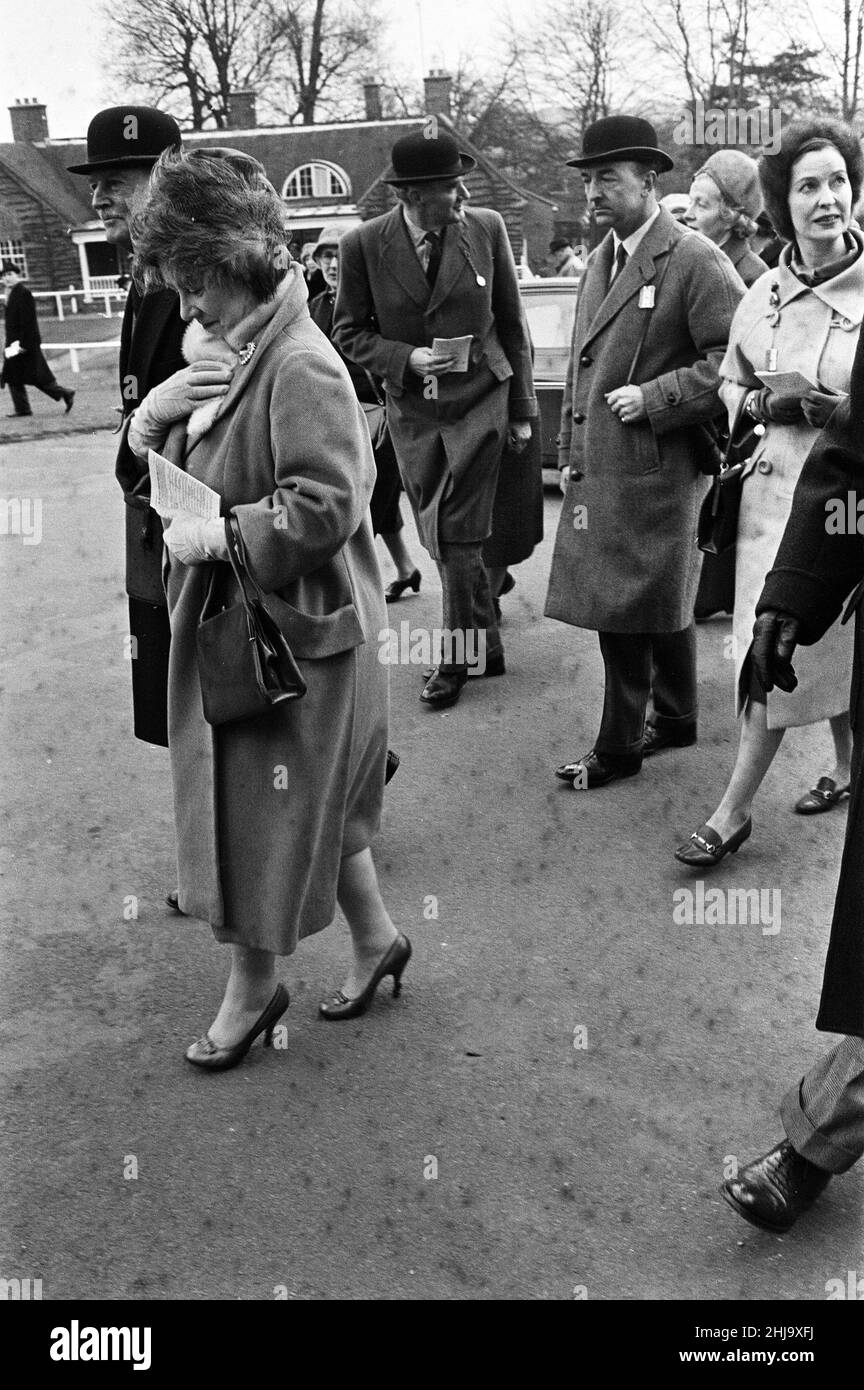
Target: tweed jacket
pixel 625 557
pixel 449 438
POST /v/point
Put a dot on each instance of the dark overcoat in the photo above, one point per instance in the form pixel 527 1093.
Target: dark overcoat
pixel 29 368
pixel 448 437
pixel 814 572
pixel 627 561
pixel 150 351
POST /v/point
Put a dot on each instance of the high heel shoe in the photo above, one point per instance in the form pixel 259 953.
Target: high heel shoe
pixel 396 589
pixel 204 1053
pixel 705 848
pixel 393 963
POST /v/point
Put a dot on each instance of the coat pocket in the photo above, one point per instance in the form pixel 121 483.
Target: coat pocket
pixel 143 551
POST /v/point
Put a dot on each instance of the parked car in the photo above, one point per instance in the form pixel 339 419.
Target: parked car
pixel 550 308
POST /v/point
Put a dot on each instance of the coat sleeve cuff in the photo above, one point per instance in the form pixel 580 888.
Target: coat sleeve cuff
pixel 803 595
pixel 523 408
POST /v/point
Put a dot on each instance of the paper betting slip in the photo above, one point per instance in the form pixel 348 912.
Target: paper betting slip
pixel 172 490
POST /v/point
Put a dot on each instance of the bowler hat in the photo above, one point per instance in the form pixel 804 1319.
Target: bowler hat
pixel 621 137
pixel 423 158
pixel 127 135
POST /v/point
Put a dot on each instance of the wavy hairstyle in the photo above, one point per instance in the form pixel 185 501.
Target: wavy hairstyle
pixel 797 138
pixel 210 214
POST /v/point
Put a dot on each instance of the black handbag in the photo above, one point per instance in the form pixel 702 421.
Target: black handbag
pixel 717 527
pixel 244 662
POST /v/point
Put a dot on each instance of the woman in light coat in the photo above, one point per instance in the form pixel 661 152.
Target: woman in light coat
pixel 803 317
pixel 274 814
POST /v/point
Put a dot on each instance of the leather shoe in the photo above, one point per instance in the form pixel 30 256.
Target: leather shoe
pixel 69 398
pixel 444 688
pixel 773 1191
pixel 596 769
pixel 655 739
pixel 392 765
pixel 822 797
pixel 397 587
pixel 494 667
pixel 704 849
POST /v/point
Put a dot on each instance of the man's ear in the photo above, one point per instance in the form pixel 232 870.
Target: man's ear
pixel 282 258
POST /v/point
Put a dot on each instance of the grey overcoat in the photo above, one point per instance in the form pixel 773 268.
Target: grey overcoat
pixel 628 562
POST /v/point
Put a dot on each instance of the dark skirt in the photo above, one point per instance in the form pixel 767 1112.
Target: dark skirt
pixel 517 514
pixel 384 503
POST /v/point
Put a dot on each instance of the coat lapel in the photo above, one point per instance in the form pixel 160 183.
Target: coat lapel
pixel 398 258
pixel 150 323
pixel 639 270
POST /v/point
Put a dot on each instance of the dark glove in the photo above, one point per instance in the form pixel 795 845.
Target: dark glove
pixel 775 636
pixel 818 407
pixel 778 410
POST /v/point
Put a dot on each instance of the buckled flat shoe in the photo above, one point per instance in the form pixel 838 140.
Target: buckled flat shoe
pixel 205 1054
pixel 704 849
pixel 173 901
pixel 338 1006
pixel 396 589
pixel 444 688
pixel 655 739
pixel 822 797
pixel 598 769
pixel 773 1191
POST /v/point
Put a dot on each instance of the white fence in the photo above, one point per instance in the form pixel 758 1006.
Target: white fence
pixel 73 350
pixel 103 287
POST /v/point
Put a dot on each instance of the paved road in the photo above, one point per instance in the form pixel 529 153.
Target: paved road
pixel 308 1170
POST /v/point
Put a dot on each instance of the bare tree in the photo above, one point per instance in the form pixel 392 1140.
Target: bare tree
pixel 189 55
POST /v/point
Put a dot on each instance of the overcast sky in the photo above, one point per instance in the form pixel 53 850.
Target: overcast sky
pixel 52 50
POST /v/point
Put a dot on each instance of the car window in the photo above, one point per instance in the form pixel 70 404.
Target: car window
pixel 550 323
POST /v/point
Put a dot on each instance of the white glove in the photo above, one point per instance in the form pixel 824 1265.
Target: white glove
pixel 175 399
pixel 14 349
pixel 193 541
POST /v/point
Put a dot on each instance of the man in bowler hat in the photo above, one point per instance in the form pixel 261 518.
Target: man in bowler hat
pixel 433 268
pixel 123 144
pixel 652 322
pixel 818 565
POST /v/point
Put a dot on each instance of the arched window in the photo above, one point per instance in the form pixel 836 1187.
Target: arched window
pixel 317 181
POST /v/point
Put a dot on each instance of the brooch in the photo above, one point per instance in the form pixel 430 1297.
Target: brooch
pixel 245 353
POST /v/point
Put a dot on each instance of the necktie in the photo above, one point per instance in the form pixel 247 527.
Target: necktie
pixel 619 264
pixel 433 241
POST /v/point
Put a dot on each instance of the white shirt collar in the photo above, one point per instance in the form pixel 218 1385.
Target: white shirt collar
pixel 633 240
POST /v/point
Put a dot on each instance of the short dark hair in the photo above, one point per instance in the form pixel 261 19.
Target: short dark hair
pixel 797 138
pixel 214 215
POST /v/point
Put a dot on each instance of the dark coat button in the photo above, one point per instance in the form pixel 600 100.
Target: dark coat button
pixel 576 476
pixel 672 398
pixel 585 360
pixel 578 419
pixel 765 466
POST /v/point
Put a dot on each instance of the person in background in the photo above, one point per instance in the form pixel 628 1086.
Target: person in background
pixel 652 323
pixel 23 360
pixel 725 200
pixel 432 268
pixel 803 317
pixel 123 144
pixel 316 281
pixel 765 243
pixel 562 259
pixel 384 506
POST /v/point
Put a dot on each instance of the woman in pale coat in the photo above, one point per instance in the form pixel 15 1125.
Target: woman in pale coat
pixel 803 317
pixel 274 814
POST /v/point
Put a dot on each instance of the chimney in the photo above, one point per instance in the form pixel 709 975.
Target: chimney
pixel 241 110
pixel 29 122
pixel 438 87
pixel 372 99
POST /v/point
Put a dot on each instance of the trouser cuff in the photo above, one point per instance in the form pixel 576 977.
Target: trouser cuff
pixel 810 1142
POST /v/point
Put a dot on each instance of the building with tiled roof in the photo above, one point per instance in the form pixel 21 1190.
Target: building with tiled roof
pixel 325 173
